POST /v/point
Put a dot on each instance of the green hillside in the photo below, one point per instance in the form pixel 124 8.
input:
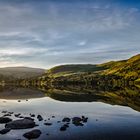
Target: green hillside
pixel 66 70
pixel 128 68
pixel 122 73
pixel 124 70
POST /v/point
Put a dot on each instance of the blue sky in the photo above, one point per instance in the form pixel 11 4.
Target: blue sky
pixel 45 33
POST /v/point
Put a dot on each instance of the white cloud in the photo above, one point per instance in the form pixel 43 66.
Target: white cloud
pixel 21 51
pixel 64 32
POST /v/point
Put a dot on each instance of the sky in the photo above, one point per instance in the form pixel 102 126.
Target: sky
pixel 46 33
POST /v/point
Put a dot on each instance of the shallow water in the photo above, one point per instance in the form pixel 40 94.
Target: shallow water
pixel 109 117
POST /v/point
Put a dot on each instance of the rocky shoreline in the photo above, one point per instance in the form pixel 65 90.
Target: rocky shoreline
pixel 27 122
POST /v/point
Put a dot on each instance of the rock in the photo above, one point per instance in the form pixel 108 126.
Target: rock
pixel 20 117
pixel 78 124
pixel 4 111
pixel 32 115
pixel 10 112
pixel 39 117
pixel 53 116
pixel 7 114
pixel 58 121
pixel 21 124
pixel 19 101
pixel 66 125
pixel 29 118
pixel 77 121
pixel 4 131
pixel 17 115
pixel 5 120
pixel 84 119
pixel 66 120
pixel 32 134
pixel 63 128
pixel 47 123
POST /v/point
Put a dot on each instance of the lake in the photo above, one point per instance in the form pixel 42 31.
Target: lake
pixel 112 113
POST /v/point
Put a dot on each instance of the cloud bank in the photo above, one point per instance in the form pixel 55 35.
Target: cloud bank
pixel 52 32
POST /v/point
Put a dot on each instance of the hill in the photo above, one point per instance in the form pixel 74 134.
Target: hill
pixel 122 71
pixel 127 68
pixel 20 72
pixel 65 70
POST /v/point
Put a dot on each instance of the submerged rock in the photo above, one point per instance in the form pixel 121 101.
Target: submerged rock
pixel 21 124
pixel 47 123
pixel 39 117
pixel 64 127
pixel 84 119
pixel 4 111
pixel 17 115
pixel 32 134
pixel 29 118
pixel 4 131
pixel 77 121
pixel 5 120
pixel 8 114
pixel 32 115
pixel 66 120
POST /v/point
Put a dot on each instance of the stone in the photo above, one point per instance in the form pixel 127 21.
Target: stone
pixel 21 124
pixel 29 118
pixel 32 115
pixel 39 117
pixel 47 123
pixel 4 131
pixel 8 114
pixel 34 134
pixel 17 115
pixel 63 128
pixel 84 119
pixel 66 120
pixel 5 120
pixel 4 111
pixel 77 121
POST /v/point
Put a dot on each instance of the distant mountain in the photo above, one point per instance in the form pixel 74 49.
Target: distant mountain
pixel 21 72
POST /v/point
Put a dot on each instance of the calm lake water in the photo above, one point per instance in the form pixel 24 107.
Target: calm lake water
pixel 111 114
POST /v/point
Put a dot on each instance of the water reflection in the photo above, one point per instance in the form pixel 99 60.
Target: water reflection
pixel 104 120
pixel 124 96
pixel 15 93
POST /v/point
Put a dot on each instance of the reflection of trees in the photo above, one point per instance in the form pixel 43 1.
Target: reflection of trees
pixel 114 95
pixel 14 93
pixel 125 96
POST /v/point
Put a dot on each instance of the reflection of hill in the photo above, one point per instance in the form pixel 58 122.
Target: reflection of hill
pixel 111 95
pixel 120 96
pixel 19 93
